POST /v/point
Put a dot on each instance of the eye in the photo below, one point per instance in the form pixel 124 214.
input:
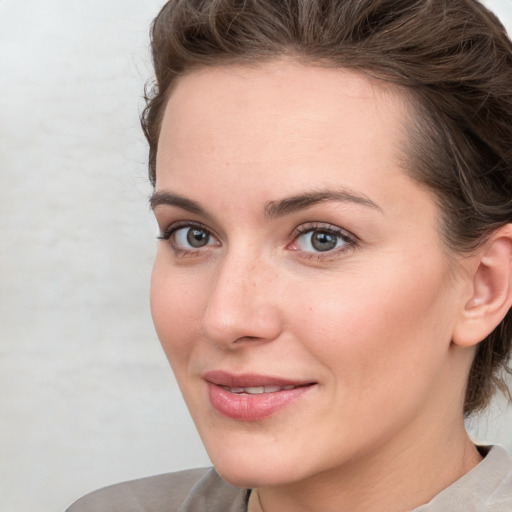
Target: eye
pixel 317 239
pixel 193 237
pixel 188 238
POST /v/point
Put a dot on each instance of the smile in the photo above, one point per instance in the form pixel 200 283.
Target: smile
pixel 257 390
pixel 252 397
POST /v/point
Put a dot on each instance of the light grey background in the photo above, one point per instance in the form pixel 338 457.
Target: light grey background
pixel 86 396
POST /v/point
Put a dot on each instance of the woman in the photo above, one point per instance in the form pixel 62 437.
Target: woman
pixel 332 182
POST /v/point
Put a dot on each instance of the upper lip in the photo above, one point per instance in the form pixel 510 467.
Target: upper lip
pixel 224 378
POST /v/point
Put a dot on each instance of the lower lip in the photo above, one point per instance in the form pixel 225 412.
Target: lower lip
pixel 252 407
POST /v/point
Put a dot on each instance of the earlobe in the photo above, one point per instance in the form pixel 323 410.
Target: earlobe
pixel 491 290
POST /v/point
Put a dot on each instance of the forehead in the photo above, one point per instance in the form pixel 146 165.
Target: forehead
pixel 282 128
pixel 280 103
pixel 266 81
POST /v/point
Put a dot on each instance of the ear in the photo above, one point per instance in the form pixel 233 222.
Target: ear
pixel 491 290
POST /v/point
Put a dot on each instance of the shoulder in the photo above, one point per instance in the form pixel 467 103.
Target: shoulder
pixel 486 488
pixel 183 491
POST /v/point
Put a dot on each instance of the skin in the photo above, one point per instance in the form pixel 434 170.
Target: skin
pixel 370 322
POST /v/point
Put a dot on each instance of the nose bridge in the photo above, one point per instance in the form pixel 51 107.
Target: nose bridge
pixel 240 305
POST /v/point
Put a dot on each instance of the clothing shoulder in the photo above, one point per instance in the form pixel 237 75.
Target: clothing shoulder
pixel 162 493
pixel 487 488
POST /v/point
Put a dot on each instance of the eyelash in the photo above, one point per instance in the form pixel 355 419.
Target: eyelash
pixel 167 235
pixel 309 227
pixel 350 240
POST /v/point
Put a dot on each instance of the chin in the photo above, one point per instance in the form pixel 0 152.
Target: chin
pixel 252 464
pixel 252 474
pixel 240 478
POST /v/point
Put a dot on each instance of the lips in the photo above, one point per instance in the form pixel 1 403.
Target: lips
pixel 251 397
pixel 257 390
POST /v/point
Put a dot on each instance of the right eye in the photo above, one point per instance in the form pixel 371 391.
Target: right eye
pixel 189 238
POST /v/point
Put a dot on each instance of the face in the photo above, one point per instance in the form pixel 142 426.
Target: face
pixel 301 289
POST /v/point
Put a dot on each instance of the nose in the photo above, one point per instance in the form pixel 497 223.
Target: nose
pixel 243 304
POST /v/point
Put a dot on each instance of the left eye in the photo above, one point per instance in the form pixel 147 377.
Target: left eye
pixel 192 237
pixel 321 240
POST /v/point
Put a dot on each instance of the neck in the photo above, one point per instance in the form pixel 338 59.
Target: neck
pixel 399 477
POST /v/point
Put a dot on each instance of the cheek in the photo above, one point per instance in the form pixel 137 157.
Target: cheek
pixel 176 304
pixel 378 329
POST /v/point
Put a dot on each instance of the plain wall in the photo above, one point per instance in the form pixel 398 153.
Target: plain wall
pixel 86 395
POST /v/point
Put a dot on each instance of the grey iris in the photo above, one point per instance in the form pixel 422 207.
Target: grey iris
pixel 197 237
pixel 323 241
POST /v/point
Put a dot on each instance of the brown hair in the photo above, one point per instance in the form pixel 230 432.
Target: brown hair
pixel 453 58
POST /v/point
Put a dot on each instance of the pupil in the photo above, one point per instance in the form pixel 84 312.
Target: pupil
pixel 197 237
pixel 323 241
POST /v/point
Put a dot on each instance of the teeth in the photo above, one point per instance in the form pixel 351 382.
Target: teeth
pixel 257 390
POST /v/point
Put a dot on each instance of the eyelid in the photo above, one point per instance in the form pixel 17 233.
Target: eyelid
pixel 309 227
pixel 174 226
pixel 167 234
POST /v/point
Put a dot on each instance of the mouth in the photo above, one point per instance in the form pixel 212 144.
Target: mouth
pixel 249 397
pixel 257 390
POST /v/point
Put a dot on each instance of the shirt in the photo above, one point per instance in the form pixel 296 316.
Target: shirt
pixel 486 488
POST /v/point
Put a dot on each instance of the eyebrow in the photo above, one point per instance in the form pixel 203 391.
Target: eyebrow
pixel 293 204
pixel 166 198
pixel 277 208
